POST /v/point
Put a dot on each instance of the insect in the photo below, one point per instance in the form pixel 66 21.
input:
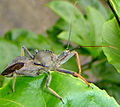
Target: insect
pixel 43 61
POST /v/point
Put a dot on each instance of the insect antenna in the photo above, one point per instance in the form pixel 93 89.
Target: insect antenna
pixel 70 29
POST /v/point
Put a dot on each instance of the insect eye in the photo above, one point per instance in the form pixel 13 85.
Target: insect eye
pixel 66 52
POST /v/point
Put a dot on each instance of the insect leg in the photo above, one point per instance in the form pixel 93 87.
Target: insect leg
pixel 14 82
pixel 27 51
pixel 51 90
pixel 74 74
pixel 78 61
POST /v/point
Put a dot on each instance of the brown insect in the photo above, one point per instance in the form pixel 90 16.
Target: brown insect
pixel 43 61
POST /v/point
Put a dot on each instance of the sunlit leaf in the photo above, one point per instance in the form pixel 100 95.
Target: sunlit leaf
pixel 30 91
pixel 111 37
pixel 116 6
pixel 111 88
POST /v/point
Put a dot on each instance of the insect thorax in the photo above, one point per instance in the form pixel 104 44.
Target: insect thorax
pixel 46 57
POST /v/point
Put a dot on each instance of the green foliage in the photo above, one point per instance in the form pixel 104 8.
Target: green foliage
pixel 111 37
pixel 91 28
pixel 109 71
pixel 85 31
pixel 30 92
pixel 93 3
pixel 116 6
pixel 27 38
pixel 88 29
pixel 8 51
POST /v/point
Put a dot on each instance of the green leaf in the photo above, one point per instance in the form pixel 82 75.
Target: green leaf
pixel 8 51
pixel 69 13
pixel 19 34
pixel 95 22
pixel 116 6
pixel 109 71
pixel 108 80
pixel 111 88
pixel 85 32
pixel 111 37
pixel 27 38
pixel 30 91
pixel 30 39
pixel 96 4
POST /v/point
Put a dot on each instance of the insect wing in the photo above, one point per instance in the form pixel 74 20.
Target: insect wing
pixel 12 68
